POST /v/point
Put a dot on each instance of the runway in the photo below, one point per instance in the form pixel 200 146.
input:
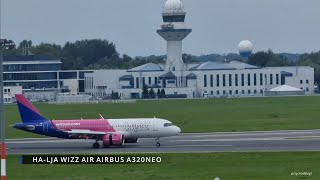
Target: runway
pixel 306 140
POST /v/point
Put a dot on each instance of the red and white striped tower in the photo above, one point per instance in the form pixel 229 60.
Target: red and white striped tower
pixel 3 161
pixel 3 146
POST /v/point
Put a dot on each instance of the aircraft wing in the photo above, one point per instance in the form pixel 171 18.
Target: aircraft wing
pixel 85 132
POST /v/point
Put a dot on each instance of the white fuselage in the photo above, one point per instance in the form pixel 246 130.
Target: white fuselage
pixel 144 127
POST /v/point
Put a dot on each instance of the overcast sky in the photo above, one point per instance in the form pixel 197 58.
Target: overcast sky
pixel 218 25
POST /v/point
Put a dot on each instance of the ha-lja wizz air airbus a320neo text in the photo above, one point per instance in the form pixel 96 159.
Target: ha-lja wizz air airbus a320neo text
pixel 112 132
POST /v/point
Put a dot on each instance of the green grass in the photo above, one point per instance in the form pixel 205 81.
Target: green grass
pixel 186 166
pixel 208 115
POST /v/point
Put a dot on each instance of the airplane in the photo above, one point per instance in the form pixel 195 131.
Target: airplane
pixel 112 132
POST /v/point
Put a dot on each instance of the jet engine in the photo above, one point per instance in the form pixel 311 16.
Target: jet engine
pixel 115 139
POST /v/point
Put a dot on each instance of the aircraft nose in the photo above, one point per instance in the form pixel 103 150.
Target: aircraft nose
pixel 17 126
pixel 178 130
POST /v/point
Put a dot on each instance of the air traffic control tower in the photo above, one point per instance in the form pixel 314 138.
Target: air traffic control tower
pixel 174 30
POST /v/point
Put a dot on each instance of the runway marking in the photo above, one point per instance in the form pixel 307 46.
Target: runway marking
pixel 236 139
pixel 213 145
pixel 49 141
pixel 304 137
pixel 23 139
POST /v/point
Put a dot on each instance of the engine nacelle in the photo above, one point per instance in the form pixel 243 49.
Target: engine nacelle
pixel 131 140
pixel 115 139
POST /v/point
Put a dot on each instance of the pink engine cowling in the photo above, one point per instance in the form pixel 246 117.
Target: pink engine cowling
pixel 116 139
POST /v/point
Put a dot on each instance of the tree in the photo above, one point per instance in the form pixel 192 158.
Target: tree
pixel 152 93
pixel 159 93
pixel 163 93
pixel 267 59
pixel 115 95
pixel 313 60
pixel 89 51
pixel 145 92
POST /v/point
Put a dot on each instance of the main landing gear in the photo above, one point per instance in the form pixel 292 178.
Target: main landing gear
pixel 96 145
pixel 158 142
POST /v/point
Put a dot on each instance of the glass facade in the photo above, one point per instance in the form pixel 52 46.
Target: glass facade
pixel 31 67
pixel 68 75
pixel 37 72
pixel 33 84
pixel 30 76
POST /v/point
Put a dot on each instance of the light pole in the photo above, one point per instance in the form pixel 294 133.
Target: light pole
pixel 4 44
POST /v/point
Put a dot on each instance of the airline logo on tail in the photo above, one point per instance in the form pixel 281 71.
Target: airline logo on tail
pixel 27 111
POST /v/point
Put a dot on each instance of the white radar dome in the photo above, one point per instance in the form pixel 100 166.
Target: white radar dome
pixel 245 48
pixel 173 5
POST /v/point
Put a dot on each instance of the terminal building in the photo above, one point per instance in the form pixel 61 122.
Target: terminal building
pixel 40 76
pixel 215 79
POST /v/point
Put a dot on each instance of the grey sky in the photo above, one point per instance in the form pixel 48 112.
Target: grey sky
pixel 218 25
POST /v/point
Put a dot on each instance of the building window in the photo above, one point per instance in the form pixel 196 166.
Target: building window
pixel 224 92
pixel 205 80
pixel 218 92
pixel 143 81
pixel 307 81
pixel 137 82
pixel 211 80
pixel 211 92
pixel 230 79
pixel 301 82
pixel 248 79
pixel 174 68
pixel 261 91
pixel 255 91
pixel 149 80
pixel 277 78
pixel 242 79
pixel 224 80
pixel 230 92
pixel 242 91
pixel 155 80
pixel 249 91
pixel 236 79
pixel 261 79
pixel 307 89
pixel 254 79
pixel 218 79
pixel 271 79
pixel 237 92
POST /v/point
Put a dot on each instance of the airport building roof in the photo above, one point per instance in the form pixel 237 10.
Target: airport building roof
pixel 233 65
pixel 212 66
pixel 284 88
pixel 126 77
pixel 146 67
pixel 167 75
pixel 191 76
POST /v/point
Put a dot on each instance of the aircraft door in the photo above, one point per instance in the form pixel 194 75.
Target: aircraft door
pixel 155 125
pixel 45 127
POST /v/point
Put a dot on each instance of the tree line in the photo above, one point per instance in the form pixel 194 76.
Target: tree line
pixel 102 54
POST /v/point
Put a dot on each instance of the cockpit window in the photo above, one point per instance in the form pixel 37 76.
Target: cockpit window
pixel 167 124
